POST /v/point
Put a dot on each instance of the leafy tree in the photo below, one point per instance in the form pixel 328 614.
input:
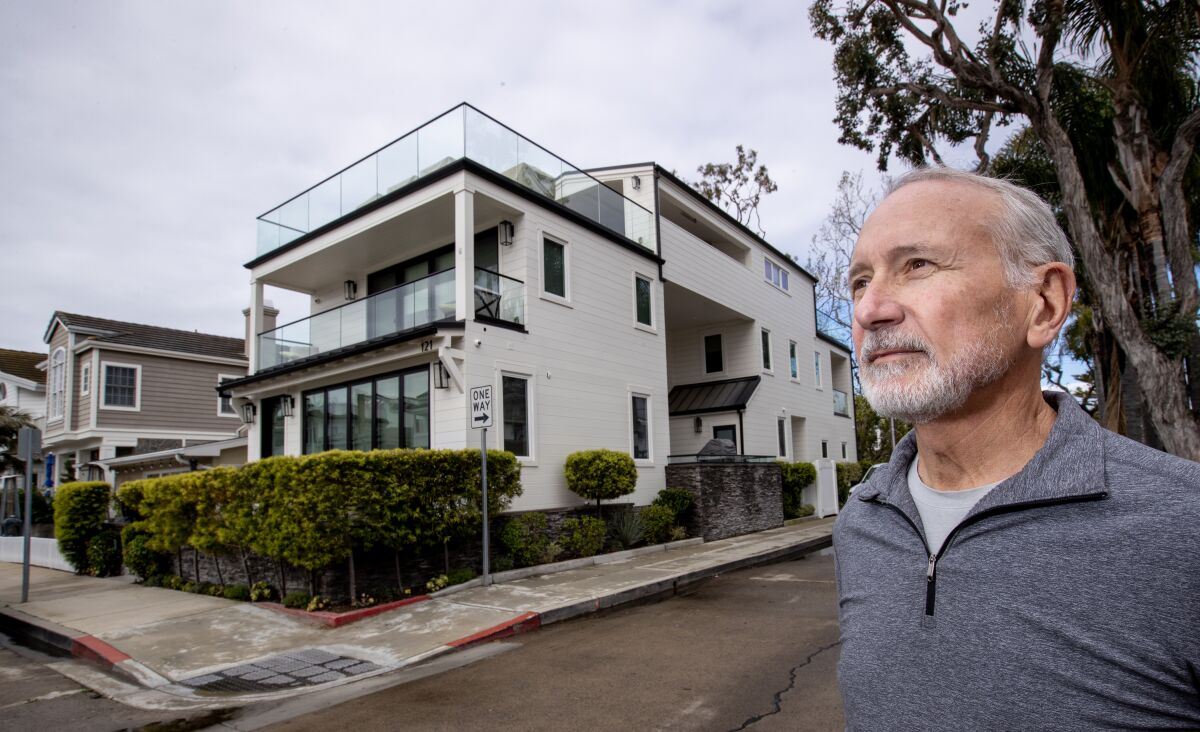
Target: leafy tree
pixel 11 422
pixel 737 187
pixel 874 432
pixel 1059 66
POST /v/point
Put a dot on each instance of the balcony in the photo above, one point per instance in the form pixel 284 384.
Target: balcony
pixel 402 308
pixel 841 404
pixel 463 132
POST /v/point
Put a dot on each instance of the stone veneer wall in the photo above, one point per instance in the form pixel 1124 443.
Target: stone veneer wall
pixel 731 499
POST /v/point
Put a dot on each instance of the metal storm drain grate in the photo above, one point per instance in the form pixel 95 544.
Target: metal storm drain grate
pixel 286 671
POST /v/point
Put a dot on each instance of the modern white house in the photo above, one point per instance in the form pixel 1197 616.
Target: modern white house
pixel 612 308
pixel 118 390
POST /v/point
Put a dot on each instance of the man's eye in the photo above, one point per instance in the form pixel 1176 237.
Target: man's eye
pixel 918 264
pixel 858 284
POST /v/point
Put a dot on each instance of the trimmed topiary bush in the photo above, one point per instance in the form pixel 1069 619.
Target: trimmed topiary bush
pixel 584 536
pixel 601 474
pixel 80 510
pixel 525 538
pixel 796 477
pixel 658 520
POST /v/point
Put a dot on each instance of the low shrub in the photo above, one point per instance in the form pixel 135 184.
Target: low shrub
pixel 658 521
pixel 141 560
pixel 678 533
pixel 317 603
pixel 174 582
pixel 104 553
pixel 550 553
pixel 459 575
pixel 188 586
pixel 80 510
pixel 502 563
pixel 297 600
pixel 847 475
pixel 263 591
pixel 440 582
pixel 679 500
pixel 584 536
pixel 237 592
pixel 601 474
pixel 215 591
pixel 806 509
pixel 366 599
pixel 43 510
pixel 525 538
pixel 627 529
pixel 796 477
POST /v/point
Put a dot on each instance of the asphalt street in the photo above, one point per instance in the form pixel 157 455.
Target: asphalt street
pixel 754 649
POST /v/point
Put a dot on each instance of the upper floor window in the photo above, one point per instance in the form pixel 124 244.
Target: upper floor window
pixel 85 379
pixel 58 369
pixel 817 368
pixel 554 268
pixel 766 349
pixel 120 386
pixel 775 274
pixel 643 300
pixel 714 360
pixel 225 401
pixel 792 361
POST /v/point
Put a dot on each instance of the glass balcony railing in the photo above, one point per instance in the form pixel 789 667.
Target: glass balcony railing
pixel 395 310
pixel 840 403
pixel 463 132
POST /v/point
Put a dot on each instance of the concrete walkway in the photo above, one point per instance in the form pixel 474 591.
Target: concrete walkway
pixel 172 649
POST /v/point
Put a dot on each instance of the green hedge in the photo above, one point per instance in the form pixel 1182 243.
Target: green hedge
pixel 847 474
pixel 312 511
pixel 796 477
pixel 80 510
pixel 601 474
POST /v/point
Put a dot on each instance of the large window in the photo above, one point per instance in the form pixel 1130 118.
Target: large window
pixel 714 361
pixel 384 412
pixel 775 274
pixel 515 394
pixel 554 268
pixel 426 299
pixel 643 300
pixel 58 366
pixel 766 349
pixel 120 386
pixel 641 427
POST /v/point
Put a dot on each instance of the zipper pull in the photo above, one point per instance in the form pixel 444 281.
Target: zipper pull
pixel 932 567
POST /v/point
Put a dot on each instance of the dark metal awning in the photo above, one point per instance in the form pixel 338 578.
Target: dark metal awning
pixel 728 395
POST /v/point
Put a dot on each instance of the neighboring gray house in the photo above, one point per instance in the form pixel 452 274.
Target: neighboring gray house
pixel 611 308
pixel 116 390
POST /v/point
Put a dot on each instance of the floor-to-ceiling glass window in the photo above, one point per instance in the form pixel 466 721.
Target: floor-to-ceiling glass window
pixel 385 412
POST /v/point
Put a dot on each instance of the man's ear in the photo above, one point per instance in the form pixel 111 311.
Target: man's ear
pixel 1052 298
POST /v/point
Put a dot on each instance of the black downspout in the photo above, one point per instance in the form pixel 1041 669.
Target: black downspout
pixel 741 434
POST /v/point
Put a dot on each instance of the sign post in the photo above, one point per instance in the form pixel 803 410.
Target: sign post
pixel 482 408
pixel 29 448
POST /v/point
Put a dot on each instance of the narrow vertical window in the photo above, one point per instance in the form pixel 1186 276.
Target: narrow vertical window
pixel 554 268
pixel 843 451
pixel 387 413
pixel 713 359
pixel 225 403
pixel 416 408
pixel 271 426
pixel 314 423
pixel 817 368
pixel 766 349
pixel 515 392
pixel 85 379
pixel 336 433
pixel 361 419
pixel 782 429
pixel 792 361
pixel 824 448
pixel 642 300
pixel 641 428
pixel 58 366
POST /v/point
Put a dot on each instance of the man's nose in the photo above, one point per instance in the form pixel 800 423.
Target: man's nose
pixel 877 306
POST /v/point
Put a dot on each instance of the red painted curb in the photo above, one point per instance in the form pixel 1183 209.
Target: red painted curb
pixel 523 623
pixel 337 620
pixel 93 649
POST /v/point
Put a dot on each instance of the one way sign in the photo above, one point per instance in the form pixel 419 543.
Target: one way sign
pixel 481 406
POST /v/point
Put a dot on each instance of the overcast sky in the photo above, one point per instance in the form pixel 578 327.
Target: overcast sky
pixel 139 140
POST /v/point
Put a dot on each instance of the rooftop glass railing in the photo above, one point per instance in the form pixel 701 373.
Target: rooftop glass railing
pixel 463 132
pixel 404 307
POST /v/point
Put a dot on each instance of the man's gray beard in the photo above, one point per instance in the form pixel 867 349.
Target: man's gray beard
pixel 938 388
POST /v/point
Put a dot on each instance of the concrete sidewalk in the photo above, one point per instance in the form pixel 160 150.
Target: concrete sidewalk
pixel 176 650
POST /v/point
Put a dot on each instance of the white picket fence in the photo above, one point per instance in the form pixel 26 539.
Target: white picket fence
pixel 42 552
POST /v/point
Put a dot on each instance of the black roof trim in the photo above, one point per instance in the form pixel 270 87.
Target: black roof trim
pixel 726 395
pixel 476 169
pixel 723 214
pixel 834 342
pixel 357 348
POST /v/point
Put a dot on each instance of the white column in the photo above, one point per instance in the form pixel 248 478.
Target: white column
pixel 464 254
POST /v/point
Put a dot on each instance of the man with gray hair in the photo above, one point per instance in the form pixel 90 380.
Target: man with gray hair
pixel 1015 565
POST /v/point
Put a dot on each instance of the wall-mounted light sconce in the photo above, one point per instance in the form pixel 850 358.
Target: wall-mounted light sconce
pixel 248 411
pixel 637 182
pixel 287 405
pixel 350 289
pixel 506 233
pixel 441 377
pixel 698 425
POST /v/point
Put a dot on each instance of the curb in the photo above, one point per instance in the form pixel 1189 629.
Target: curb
pixel 337 620
pixel 523 623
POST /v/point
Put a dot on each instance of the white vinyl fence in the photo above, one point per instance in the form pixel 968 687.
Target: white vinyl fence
pixel 42 552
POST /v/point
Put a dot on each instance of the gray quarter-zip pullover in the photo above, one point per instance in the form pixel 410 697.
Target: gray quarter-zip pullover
pixel 1068 598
